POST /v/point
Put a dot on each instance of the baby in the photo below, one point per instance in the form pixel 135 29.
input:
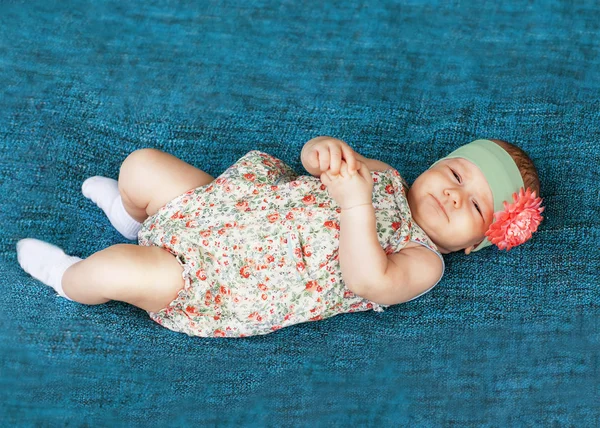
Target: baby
pixel 261 247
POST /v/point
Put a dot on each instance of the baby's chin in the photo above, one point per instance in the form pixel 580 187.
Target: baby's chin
pixel 453 247
pixel 442 246
pixel 430 227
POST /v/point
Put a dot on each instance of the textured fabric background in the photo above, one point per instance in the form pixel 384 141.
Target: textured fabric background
pixel 506 339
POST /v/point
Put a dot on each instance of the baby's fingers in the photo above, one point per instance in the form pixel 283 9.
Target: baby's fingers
pixel 350 158
pixel 335 159
pixel 364 172
pixel 324 158
pixel 313 158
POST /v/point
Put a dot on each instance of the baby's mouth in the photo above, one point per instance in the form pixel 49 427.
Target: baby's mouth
pixel 441 207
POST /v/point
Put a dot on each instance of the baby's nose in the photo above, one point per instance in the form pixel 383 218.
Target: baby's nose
pixel 455 197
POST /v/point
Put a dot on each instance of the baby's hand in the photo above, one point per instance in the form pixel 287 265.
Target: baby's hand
pixel 349 189
pixel 327 153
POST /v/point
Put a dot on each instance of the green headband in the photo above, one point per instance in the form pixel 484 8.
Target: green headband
pixel 499 169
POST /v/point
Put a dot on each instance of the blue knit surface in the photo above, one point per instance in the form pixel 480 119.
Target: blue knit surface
pixel 506 338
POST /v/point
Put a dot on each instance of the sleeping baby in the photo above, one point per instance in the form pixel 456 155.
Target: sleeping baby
pixel 260 247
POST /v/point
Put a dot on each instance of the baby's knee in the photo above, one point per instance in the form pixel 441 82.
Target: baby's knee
pixel 136 176
pixel 139 159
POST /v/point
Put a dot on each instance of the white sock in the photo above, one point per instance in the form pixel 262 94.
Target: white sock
pixel 45 262
pixel 104 192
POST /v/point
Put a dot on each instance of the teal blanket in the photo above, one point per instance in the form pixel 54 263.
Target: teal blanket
pixel 505 339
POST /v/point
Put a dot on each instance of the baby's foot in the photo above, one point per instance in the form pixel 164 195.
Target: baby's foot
pixel 45 262
pixel 104 192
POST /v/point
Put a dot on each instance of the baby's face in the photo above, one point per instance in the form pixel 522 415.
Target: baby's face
pixel 460 188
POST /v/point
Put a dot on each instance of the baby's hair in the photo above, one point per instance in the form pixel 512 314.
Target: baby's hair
pixel 525 165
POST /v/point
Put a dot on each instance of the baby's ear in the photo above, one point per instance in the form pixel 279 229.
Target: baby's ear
pixel 469 249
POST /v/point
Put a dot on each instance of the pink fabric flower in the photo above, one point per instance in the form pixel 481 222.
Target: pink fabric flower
pixel 517 222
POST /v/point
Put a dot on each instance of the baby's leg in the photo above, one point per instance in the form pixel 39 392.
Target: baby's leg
pixel 150 178
pixel 147 277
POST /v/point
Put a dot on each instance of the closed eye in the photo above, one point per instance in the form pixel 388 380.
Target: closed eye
pixel 460 181
pixel 456 175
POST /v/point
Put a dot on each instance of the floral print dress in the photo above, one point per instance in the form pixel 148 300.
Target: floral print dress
pixel 259 248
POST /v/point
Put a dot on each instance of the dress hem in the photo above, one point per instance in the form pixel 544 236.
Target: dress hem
pixel 181 294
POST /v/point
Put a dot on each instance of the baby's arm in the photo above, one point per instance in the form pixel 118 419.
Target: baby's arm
pixel 371 274
pixel 362 260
